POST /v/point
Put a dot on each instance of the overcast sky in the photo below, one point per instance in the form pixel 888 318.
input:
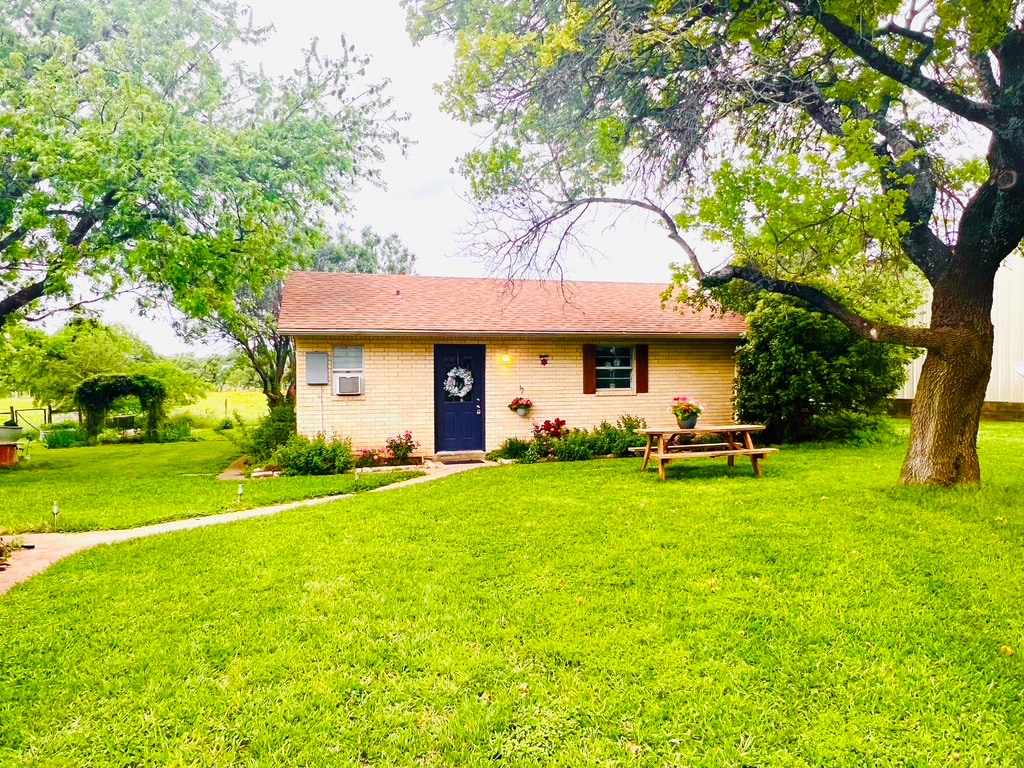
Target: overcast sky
pixel 422 202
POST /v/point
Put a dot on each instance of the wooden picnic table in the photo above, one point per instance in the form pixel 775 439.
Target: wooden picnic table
pixel 669 444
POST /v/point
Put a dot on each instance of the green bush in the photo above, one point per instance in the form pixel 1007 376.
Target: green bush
pixel 573 446
pixel 608 440
pixel 273 430
pixel 513 448
pixel 401 447
pixel 66 435
pixel 302 456
pixel 798 365
pixel 176 430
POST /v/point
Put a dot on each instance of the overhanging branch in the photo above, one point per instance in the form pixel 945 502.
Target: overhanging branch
pixel 819 300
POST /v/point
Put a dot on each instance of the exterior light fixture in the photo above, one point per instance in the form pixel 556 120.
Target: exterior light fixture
pixel 544 359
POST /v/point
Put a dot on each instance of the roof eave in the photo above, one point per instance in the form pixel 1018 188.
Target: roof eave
pixel 547 334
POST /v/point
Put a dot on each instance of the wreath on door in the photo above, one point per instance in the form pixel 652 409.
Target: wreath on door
pixel 458 382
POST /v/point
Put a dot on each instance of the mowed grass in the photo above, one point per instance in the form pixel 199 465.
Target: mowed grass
pixel 548 615
pixel 125 486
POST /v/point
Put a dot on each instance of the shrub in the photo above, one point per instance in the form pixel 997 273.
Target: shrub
pixel 573 446
pixel 176 430
pixel 513 448
pixel 550 428
pixel 401 447
pixel 630 424
pixel 373 457
pixel 67 435
pixel 797 365
pixel 224 424
pixel 273 430
pixel 607 440
pixel 532 455
pixel 302 456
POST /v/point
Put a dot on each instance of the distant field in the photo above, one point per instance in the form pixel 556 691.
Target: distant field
pixel 214 407
pixel 250 405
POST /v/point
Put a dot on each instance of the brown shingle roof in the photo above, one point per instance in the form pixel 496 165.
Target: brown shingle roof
pixel 336 303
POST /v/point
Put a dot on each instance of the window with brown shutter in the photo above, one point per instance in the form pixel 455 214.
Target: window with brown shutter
pixel 615 369
pixel 589 369
pixel 641 357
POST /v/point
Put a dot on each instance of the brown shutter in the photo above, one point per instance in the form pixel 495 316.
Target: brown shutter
pixel 641 369
pixel 589 369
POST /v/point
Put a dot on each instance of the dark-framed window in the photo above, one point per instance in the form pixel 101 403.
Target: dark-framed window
pixel 615 368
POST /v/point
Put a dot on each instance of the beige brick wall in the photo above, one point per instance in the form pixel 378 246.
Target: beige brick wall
pixel 399 394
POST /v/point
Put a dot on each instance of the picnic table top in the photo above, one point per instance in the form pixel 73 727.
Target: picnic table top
pixel 702 428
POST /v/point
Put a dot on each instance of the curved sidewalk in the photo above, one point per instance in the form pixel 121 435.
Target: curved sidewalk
pixel 51 547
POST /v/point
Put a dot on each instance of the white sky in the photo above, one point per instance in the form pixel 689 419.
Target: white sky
pixel 422 202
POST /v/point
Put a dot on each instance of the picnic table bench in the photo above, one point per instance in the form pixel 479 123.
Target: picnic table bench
pixel 667 445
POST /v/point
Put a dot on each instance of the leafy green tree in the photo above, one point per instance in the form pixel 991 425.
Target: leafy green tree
pixel 135 153
pixel 248 318
pixel 797 365
pixel 51 368
pixel 838 146
pixel 371 254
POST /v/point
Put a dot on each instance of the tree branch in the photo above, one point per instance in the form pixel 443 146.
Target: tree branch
pixel 819 300
pixel 673 230
pixel 910 76
pixel 21 298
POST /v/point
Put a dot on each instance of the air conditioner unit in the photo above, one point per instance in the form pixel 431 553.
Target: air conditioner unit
pixel 348 383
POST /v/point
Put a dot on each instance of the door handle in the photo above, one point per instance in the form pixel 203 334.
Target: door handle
pixel 478 411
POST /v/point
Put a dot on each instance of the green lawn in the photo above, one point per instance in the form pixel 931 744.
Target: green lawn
pixel 125 486
pixel 550 614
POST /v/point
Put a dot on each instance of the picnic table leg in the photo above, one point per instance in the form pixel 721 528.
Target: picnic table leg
pixel 647 453
pixel 755 459
pixel 732 447
pixel 662 456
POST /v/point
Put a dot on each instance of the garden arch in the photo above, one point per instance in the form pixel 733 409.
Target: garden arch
pixel 95 396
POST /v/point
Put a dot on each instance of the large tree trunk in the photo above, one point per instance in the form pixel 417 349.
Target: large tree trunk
pixel 951 390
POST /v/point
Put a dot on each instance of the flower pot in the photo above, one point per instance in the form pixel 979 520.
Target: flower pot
pixel 10 434
pixel 522 411
pixel 687 422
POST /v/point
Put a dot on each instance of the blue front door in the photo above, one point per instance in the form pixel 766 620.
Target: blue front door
pixel 459 396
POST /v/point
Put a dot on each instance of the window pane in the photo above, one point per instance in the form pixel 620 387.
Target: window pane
pixel 614 367
pixel 614 378
pixel 614 357
pixel 348 358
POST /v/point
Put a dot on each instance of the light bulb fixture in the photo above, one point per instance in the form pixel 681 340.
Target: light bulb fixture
pixel 506 359
pixel 544 359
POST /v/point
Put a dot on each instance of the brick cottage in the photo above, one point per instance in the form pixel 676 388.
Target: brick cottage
pixel 444 357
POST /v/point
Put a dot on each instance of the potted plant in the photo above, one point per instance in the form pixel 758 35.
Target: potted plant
pixel 686 411
pixel 10 431
pixel 521 405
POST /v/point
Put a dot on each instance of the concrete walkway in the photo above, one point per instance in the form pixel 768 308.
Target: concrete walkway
pixel 51 547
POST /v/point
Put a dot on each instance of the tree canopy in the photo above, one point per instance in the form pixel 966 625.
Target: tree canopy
pixel 247 317
pixel 51 367
pixel 848 152
pixel 135 151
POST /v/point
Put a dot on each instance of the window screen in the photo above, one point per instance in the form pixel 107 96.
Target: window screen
pixel 348 358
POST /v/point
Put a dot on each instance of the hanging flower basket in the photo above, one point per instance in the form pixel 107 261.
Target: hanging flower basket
pixel 521 405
